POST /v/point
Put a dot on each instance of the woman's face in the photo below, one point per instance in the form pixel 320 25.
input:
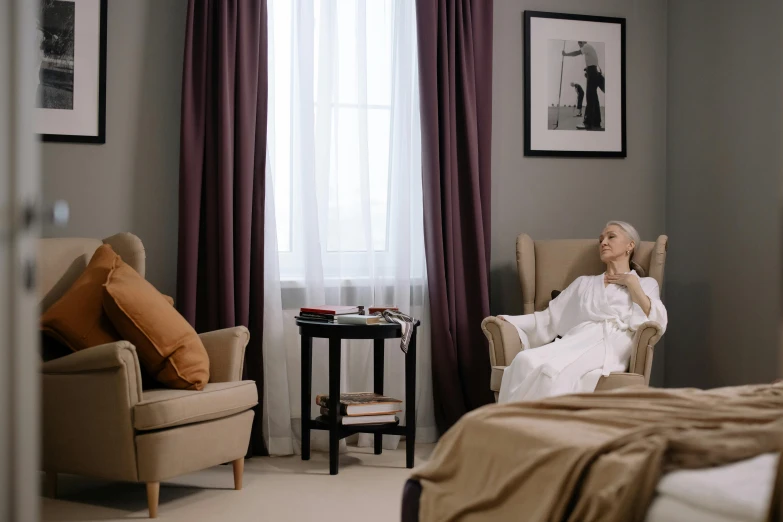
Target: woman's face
pixel 613 243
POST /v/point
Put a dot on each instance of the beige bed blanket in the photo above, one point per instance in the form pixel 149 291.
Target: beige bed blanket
pixel 591 457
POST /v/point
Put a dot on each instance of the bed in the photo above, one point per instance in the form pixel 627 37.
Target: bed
pixel 635 454
pixel 737 492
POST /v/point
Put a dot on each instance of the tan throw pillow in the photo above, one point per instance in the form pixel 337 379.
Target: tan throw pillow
pixel 167 346
pixel 77 319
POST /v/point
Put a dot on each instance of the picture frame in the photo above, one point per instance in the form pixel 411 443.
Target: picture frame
pixel 565 54
pixel 71 90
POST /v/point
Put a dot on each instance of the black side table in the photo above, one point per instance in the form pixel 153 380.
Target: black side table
pixel 336 333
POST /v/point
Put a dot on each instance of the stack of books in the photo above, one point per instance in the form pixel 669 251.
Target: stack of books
pixel 344 314
pixel 363 408
pixel 328 313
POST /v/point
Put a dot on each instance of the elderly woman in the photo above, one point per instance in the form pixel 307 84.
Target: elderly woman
pixel 594 320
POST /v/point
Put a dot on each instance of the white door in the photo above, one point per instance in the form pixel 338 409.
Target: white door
pixel 19 230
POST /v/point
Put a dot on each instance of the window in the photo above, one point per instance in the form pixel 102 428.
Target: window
pixel 333 70
pixel 350 71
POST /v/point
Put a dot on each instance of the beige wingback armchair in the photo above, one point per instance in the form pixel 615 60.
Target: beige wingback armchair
pixel 544 266
pixel 99 422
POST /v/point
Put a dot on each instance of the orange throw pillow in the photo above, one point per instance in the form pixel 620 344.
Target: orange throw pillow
pixel 77 319
pixel 167 346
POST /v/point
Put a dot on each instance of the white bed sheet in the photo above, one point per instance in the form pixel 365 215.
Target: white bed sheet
pixel 667 509
pixel 738 492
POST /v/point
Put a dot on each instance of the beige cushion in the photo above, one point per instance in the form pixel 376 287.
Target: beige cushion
pixel 496 377
pixel 164 408
pixel 163 454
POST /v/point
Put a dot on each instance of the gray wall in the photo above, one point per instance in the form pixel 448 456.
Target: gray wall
pixel 724 136
pixel 130 183
pixel 563 198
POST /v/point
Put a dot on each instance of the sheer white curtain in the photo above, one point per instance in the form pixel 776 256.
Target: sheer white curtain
pixel 344 218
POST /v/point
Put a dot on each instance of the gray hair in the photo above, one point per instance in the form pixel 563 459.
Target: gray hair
pixel 633 235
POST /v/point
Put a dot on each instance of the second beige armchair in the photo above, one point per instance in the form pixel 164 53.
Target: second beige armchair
pixel 544 266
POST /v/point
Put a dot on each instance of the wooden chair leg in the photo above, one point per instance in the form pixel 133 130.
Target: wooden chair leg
pixel 153 495
pixel 51 484
pixel 239 469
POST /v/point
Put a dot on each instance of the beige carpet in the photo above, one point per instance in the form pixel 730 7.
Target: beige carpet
pixel 368 487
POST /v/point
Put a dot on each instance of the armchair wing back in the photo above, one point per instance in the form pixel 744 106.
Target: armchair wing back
pixel 62 260
pixel 549 265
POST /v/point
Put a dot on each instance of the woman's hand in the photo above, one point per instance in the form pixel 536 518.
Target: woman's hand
pixel 634 286
pixel 631 281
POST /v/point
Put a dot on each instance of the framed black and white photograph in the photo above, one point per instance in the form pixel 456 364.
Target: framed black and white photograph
pixel 574 85
pixel 71 88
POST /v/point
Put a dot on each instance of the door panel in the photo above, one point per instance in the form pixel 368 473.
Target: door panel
pixel 19 232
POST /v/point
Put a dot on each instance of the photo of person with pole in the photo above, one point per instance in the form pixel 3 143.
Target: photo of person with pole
pixel 575 88
pixel 595 81
pixel 568 61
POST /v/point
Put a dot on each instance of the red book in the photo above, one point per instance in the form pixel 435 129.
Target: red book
pixel 331 309
pixel 375 309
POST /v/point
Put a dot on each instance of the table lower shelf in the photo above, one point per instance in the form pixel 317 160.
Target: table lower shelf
pixel 322 423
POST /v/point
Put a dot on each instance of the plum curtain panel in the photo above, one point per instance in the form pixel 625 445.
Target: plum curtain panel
pixel 455 69
pixel 220 280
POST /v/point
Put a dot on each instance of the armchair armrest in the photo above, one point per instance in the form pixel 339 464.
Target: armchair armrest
pixel 645 338
pixel 121 354
pixel 226 350
pixel 88 399
pixel 617 380
pixel 504 341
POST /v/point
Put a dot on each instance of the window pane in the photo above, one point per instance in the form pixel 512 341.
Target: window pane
pixel 379 52
pixel 378 127
pixel 346 52
pixel 279 125
pixel 346 204
pixel 345 194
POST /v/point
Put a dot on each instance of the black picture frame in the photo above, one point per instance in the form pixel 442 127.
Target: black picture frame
pixel 622 148
pixel 100 138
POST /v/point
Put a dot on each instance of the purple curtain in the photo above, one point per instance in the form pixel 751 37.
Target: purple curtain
pixel 455 71
pixel 220 280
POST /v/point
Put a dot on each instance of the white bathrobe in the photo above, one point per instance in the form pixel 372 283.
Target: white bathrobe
pixel 596 323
